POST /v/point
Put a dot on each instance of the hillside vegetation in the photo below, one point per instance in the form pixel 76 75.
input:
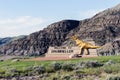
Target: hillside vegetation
pixel 100 68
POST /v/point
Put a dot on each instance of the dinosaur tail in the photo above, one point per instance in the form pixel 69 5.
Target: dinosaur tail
pixel 94 47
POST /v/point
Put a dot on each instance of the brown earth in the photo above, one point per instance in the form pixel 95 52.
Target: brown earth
pixel 59 58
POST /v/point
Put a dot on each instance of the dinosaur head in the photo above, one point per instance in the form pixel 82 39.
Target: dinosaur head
pixel 74 37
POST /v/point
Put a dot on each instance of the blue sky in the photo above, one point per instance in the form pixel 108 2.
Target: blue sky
pixel 21 17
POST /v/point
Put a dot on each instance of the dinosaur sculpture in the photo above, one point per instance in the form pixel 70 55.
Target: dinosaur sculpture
pixel 84 45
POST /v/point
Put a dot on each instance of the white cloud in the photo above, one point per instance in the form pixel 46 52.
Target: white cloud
pixel 20 26
pixel 88 13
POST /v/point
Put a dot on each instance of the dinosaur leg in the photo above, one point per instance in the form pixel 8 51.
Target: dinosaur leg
pixel 81 50
pixel 86 51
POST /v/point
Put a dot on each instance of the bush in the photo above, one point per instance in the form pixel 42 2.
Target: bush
pixel 11 72
pixel 1 60
pixel 26 71
pixel 114 68
pixel 49 70
pixel 55 78
pixel 80 65
pixel 68 67
pixel 110 62
pixel 92 64
pixel 67 77
pixel 53 67
pixel 113 78
pixel 56 66
pixel 39 69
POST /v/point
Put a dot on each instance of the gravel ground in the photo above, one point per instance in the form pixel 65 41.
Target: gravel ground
pixel 59 58
pixel 6 57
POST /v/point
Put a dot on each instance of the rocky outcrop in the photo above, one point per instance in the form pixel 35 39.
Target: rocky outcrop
pixel 5 40
pixel 111 48
pixel 103 29
pixel 9 39
pixel 37 43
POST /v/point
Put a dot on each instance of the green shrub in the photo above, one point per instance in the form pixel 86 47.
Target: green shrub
pixel 92 64
pixel 49 70
pixel 114 68
pixel 79 65
pixel 67 77
pixel 56 66
pixel 68 67
pixel 11 72
pixel 55 78
pixel 39 69
pixel 110 62
pixel 26 71
pixel 113 78
pixel 53 67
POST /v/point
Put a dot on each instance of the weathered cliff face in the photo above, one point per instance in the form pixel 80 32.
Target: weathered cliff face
pixel 103 28
pixel 5 40
pixel 37 43
pixel 111 48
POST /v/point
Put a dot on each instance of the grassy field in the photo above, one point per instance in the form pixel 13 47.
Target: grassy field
pixel 98 72
pixel 22 63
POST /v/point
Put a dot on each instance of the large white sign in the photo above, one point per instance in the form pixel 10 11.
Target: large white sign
pixel 63 50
